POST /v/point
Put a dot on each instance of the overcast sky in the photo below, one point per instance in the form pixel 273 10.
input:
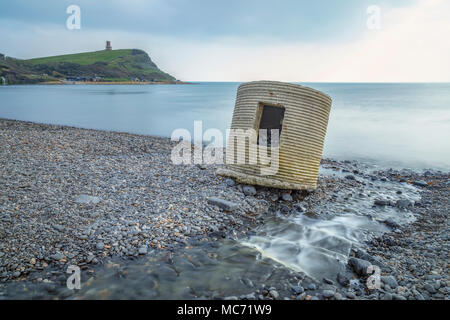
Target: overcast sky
pixel 242 40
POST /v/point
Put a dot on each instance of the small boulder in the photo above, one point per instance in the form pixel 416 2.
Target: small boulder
pixel 390 281
pixel 230 182
pixel 421 183
pixel 391 223
pixel 223 204
pixel 286 197
pixel 343 278
pixel 359 266
pixel 249 190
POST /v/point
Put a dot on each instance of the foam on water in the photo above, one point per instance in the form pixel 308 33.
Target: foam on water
pixel 320 247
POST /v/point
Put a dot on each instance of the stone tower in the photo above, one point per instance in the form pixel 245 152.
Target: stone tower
pixel 108 45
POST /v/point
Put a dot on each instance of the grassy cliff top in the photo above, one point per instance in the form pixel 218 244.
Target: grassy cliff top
pixel 113 65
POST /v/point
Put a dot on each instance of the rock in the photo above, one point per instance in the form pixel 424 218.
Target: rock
pixel 328 293
pixel 58 227
pixel 142 250
pixel 86 199
pixel 274 197
pixel 387 296
pixel 100 245
pixel 350 295
pixel 286 197
pixel 230 182
pixel 390 280
pixel 311 286
pixel 391 223
pixel 274 294
pixel 420 183
pixel 350 177
pixel 359 266
pixel 297 289
pixel 404 204
pixel 344 278
pixel 328 281
pixel 301 296
pixel 223 204
pixel 431 289
pixel 381 202
pixel 57 256
pixel 249 190
pixel 250 296
pixel 231 298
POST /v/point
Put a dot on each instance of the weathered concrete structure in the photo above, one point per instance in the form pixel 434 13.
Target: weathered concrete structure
pixel 301 115
pixel 108 45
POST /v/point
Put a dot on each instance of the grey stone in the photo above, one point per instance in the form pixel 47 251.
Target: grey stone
pixel 350 295
pixel 391 223
pixel 249 190
pixel 100 245
pixel 57 256
pixel 359 266
pixel 274 294
pixel 328 293
pixel 387 296
pixel 223 204
pixel 230 182
pixel 143 250
pixel 297 289
pixel 381 202
pixel 286 197
pixel 420 183
pixel 344 278
pixel 58 227
pixel 390 280
pixel 431 289
pixel 311 286
pixel 404 204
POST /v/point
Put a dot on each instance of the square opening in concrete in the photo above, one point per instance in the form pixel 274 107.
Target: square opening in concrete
pixel 270 117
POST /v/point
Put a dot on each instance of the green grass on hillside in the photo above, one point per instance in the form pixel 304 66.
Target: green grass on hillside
pixel 85 58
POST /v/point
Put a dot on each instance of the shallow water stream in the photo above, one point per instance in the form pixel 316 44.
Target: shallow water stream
pixel 303 246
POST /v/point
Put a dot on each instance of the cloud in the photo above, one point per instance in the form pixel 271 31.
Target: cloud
pixel 412 46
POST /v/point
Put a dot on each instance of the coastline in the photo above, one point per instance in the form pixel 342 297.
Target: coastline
pixel 85 197
pixel 109 82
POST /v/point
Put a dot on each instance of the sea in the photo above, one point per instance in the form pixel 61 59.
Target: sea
pixel 398 125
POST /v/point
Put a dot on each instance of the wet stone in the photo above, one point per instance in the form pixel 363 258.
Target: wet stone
pixel 249 190
pixel 223 204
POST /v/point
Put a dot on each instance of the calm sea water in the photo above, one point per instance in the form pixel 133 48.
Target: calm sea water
pixel 390 125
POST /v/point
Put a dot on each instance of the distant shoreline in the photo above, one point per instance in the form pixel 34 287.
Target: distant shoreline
pixel 64 82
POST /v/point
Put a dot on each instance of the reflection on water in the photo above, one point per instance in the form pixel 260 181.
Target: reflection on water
pixel 116 92
pixel 397 125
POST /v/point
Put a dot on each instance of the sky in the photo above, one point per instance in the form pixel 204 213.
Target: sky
pixel 245 40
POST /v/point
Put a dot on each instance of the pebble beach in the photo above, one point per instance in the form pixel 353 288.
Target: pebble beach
pixel 98 199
